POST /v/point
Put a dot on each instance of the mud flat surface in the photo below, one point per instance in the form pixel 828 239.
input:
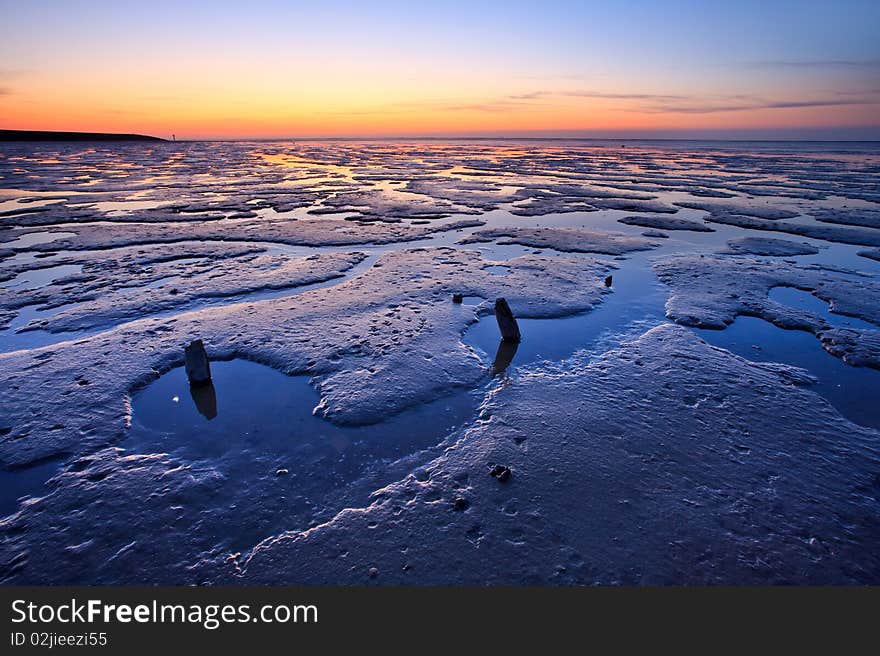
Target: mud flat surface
pixel 693 399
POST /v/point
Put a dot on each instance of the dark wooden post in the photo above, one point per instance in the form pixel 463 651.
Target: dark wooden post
pixel 506 321
pixel 198 369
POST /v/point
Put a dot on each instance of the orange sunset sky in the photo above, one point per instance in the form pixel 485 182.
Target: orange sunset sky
pixel 286 69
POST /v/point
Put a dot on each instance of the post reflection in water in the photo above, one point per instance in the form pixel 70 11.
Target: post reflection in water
pixel 205 398
pixel 503 357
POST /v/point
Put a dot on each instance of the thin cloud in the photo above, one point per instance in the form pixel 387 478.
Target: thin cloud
pixel 667 103
pixel 648 103
pixel 586 93
pixel 503 104
pixel 514 101
pixel 533 95
pixel 820 63
pixel 622 96
pixel 714 108
pixel 491 106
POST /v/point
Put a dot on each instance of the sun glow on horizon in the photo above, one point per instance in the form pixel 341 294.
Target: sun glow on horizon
pixel 288 70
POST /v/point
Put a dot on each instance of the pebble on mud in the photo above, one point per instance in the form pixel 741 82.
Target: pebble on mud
pixel 501 472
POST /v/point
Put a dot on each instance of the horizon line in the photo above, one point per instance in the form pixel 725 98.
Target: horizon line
pixel 471 137
pixel 514 138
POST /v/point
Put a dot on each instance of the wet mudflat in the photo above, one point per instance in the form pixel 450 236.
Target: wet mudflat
pixel 354 403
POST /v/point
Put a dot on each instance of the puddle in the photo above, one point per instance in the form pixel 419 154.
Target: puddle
pixel 118 207
pixel 26 257
pixel 254 421
pixel 806 301
pixel 852 390
pixel 19 483
pixel 34 238
pixel 15 208
pixel 497 270
pixel 41 277
pixel 543 339
pixel 637 300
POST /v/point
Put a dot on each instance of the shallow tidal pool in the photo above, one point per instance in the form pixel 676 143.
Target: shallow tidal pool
pixel 282 466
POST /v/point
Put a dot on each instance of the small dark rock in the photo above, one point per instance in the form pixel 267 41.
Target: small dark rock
pixel 608 281
pixel 281 471
pixel 373 572
pixel 461 503
pixel 174 290
pixel 501 472
pixel 458 298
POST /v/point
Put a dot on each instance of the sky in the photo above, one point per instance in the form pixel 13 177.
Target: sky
pixel 261 69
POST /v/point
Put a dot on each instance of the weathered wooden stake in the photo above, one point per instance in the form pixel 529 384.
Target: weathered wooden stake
pixel 506 321
pixel 198 369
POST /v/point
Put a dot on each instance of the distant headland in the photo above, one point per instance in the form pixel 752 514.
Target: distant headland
pixel 44 135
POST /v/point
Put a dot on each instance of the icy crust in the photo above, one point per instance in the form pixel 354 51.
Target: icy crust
pixel 765 211
pixel 134 261
pixel 538 206
pixel 857 347
pixel 177 201
pixel 60 213
pixel 855 226
pixel 567 240
pixel 305 174
pixel 551 205
pixel 378 183
pixel 377 344
pixel 473 194
pixel 111 291
pixel 834 233
pixel 769 247
pixel 537 200
pixel 665 223
pixel 665 462
pixel 300 232
pixel 377 205
pixel 710 292
pixel 420 197
pixel 871 253
pixel 855 217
